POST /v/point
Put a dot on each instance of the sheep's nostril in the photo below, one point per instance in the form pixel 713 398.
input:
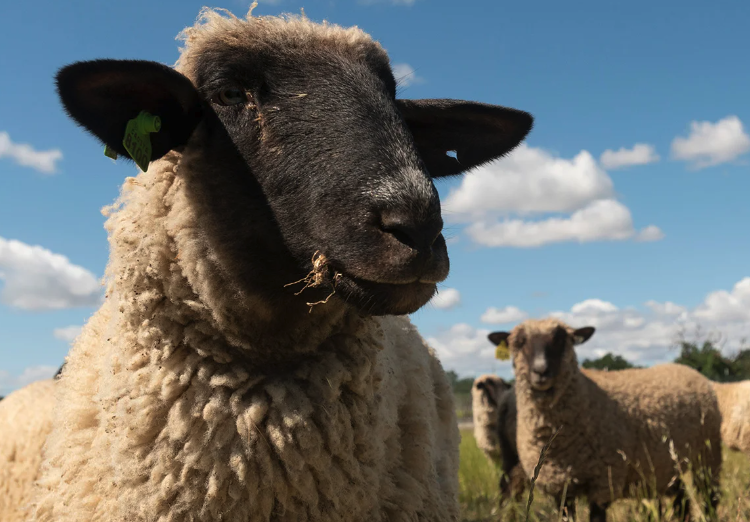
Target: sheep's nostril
pixel 415 235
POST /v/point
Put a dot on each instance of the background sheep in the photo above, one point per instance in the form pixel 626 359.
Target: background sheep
pixel 25 418
pixel 615 426
pixel 205 387
pixel 734 402
pixel 494 412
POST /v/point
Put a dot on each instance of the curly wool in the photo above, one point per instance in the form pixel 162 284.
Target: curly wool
pixel 160 418
pixel 615 425
pixel 734 402
pixel 26 420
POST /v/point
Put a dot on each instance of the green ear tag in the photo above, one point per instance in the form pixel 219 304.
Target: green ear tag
pixel 502 352
pixel 137 140
pixel 110 153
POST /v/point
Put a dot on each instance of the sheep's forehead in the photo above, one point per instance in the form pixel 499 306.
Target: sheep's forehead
pixel 215 29
pixel 537 333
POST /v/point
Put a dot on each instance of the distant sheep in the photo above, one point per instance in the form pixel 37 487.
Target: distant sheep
pixel 614 426
pixel 494 411
pixel 210 386
pixel 734 402
pixel 26 420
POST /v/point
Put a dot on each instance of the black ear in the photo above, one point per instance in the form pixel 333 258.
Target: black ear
pixel 498 337
pixel 453 136
pixel 103 95
pixel 582 335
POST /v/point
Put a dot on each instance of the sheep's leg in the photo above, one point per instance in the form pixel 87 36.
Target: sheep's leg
pixel 569 508
pixel 709 488
pixel 681 504
pixel 597 512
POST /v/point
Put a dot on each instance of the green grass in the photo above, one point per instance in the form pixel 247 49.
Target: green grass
pixel 479 496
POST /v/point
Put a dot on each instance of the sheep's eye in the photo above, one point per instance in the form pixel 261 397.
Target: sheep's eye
pixel 231 96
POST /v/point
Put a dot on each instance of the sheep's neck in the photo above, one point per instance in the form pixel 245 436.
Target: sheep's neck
pixel 163 271
pixel 545 414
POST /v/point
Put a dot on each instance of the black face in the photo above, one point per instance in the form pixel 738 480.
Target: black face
pixel 543 353
pixel 293 152
pixel 492 388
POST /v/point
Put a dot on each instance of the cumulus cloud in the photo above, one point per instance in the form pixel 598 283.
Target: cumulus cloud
pixel 712 143
pixel 644 335
pixel 9 382
pixel 509 203
pixel 649 233
pixel 68 334
pixel 467 351
pixel 601 220
pixel 405 75
pixel 24 154
pixel 36 279
pixel 509 314
pixel 446 299
pixel 640 154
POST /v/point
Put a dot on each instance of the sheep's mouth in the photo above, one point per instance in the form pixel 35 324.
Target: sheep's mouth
pixel 378 298
pixel 399 294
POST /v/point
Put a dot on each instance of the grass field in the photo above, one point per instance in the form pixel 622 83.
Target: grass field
pixel 479 493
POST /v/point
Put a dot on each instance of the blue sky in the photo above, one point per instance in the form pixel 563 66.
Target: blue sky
pixel 639 242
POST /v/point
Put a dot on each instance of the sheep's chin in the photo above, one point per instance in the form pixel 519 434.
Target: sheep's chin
pixel 374 298
pixel 545 388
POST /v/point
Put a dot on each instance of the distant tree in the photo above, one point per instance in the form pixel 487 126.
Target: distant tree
pixel 452 377
pixel 705 355
pixel 608 362
pixel 463 385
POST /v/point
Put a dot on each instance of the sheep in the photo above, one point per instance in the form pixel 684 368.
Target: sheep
pixel 26 419
pixel 734 403
pixel 617 430
pixel 494 411
pixel 253 359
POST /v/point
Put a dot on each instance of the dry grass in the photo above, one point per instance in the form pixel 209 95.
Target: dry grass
pixel 479 495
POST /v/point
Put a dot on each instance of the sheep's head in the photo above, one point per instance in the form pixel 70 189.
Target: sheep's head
pixel 293 143
pixel 542 349
pixel 488 389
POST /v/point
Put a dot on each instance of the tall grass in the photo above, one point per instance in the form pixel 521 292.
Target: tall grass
pixel 479 494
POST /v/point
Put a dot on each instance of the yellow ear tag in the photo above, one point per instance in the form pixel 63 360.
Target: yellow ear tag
pixel 137 139
pixel 502 352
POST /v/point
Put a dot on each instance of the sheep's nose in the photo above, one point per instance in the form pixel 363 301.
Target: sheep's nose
pixel 540 368
pixel 417 234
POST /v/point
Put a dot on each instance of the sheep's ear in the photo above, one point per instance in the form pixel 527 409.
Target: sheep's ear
pixel 498 337
pixel 103 95
pixel 453 136
pixel 582 335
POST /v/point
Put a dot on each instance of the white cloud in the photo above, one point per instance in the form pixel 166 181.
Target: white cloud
pixel 36 279
pixel 509 314
pixel 529 180
pixel 446 299
pixel 405 75
pixel 604 219
pixel 497 202
pixel 640 154
pixel 644 335
pixel 712 143
pixel 69 333
pixel 649 234
pixel 25 155
pixel 722 306
pixel 9 382
pixel 467 351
